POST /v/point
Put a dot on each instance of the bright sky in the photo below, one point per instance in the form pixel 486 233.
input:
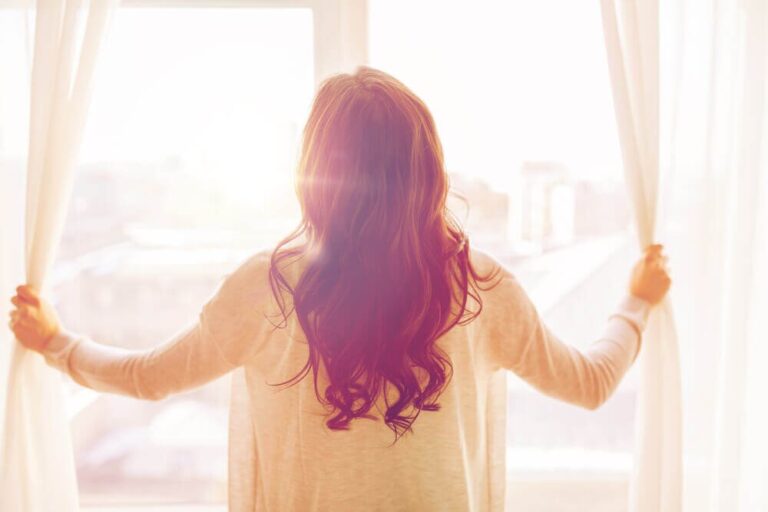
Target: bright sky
pixel 229 89
pixel 506 80
pixel 185 81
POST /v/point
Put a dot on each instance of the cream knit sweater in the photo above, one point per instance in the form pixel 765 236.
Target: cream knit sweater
pixel 283 458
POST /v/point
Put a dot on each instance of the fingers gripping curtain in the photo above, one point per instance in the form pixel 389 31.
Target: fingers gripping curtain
pixel 631 30
pixel 37 471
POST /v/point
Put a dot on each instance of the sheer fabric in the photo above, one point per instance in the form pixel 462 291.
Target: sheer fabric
pixel 631 36
pixel 716 84
pixel 37 471
pixel 690 82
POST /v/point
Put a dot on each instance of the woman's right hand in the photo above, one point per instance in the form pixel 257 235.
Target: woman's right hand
pixel 34 321
pixel 650 277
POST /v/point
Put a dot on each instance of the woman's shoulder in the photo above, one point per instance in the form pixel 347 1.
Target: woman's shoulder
pixel 251 273
pixel 248 280
pixel 505 288
pixel 251 280
pixel 253 265
pixel 485 263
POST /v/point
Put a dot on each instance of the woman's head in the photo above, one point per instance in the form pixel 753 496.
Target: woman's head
pixel 388 269
pixel 371 166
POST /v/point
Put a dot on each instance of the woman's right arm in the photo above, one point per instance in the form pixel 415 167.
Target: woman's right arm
pixel 185 361
pixel 524 344
pixel 229 330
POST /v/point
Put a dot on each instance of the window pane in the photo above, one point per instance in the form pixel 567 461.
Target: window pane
pixel 521 97
pixel 186 168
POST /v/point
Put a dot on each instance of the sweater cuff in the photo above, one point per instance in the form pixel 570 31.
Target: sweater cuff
pixel 634 311
pixel 58 349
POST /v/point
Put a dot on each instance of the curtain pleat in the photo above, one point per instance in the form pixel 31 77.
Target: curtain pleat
pixel 631 30
pixel 736 487
pixel 38 472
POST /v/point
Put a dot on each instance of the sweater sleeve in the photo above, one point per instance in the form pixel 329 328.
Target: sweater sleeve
pixel 224 336
pixel 521 342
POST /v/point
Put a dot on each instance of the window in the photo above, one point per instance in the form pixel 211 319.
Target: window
pixel 186 167
pixel 521 97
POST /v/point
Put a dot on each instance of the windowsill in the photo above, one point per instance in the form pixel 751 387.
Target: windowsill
pixel 562 491
pixel 154 508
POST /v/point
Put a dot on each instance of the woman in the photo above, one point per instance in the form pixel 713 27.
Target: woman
pixel 373 338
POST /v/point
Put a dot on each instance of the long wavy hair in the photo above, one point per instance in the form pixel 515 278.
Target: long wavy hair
pixel 388 268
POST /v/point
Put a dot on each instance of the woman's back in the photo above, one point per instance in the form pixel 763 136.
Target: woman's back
pixel 453 459
pixel 284 456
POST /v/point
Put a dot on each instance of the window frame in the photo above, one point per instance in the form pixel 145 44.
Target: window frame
pixel 340 27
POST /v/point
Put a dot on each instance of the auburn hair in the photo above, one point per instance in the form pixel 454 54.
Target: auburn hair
pixel 388 267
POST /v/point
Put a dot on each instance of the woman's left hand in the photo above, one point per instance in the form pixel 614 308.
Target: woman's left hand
pixel 34 321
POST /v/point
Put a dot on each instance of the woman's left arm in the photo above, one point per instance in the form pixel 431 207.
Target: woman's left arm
pixel 227 332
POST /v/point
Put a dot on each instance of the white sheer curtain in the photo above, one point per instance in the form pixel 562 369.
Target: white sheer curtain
pixel 632 41
pixel 37 471
pixel 717 79
pixel 701 66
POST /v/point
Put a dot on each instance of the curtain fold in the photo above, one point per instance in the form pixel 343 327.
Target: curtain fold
pixel 701 71
pixel 718 86
pixel 740 471
pixel 38 473
pixel 631 30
